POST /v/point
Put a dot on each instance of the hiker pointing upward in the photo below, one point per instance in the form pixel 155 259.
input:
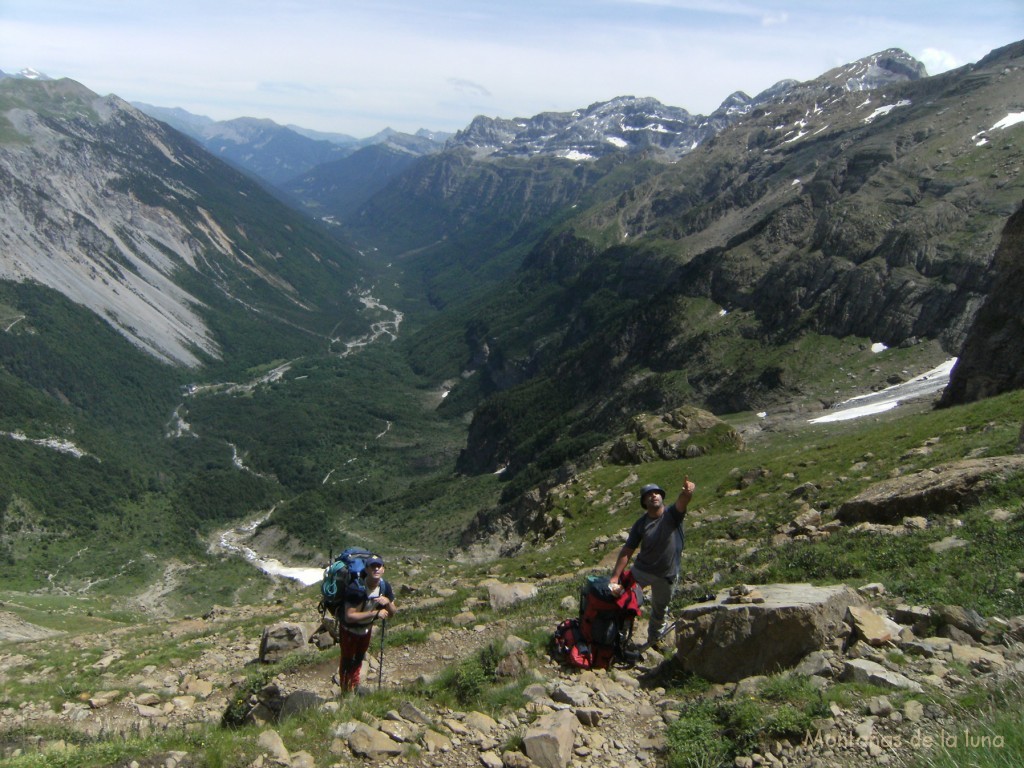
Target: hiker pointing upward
pixel 658 534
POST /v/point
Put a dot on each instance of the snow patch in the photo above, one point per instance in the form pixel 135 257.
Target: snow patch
pixel 855 413
pixel 1011 119
pixel 886 109
pixel 236 540
pixel 927 383
pixel 981 138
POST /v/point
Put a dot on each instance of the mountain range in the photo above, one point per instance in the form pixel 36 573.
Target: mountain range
pixel 181 298
pixel 277 153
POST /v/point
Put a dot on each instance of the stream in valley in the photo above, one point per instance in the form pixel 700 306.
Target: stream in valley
pixel 236 542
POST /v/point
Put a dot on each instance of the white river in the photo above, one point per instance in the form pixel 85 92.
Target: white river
pixel 235 541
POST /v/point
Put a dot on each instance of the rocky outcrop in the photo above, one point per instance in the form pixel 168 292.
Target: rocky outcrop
pixel 728 640
pixel 992 358
pixel 684 433
pixel 941 490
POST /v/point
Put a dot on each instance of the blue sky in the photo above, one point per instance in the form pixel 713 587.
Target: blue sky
pixel 358 66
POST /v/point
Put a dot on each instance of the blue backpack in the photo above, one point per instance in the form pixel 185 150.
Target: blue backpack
pixel 347 568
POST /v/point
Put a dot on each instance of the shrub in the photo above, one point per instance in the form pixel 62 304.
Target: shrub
pixel 469 680
pixel 695 740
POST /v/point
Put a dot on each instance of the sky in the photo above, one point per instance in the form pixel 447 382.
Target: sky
pixel 359 66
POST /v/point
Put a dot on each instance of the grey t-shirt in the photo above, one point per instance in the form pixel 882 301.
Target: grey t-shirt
pixel 660 541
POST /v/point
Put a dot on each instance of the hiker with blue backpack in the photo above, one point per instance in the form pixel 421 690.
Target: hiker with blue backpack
pixel 658 534
pixel 367 600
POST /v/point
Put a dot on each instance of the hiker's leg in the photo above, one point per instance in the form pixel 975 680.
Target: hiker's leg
pixel 661 596
pixel 353 650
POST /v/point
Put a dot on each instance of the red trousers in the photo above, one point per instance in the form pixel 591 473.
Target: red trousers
pixel 353 650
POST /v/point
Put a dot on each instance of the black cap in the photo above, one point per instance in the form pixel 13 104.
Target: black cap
pixel 650 488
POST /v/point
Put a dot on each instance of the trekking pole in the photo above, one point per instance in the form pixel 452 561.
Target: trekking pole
pixel 670 623
pixel 380 662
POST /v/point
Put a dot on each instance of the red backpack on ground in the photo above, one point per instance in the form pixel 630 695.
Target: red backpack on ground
pixel 603 632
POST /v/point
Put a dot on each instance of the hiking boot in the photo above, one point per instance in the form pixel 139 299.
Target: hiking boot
pixel 658 647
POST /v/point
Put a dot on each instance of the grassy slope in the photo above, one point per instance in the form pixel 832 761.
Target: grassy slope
pixel 841 459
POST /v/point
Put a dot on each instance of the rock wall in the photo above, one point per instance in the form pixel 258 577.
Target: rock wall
pixel 992 359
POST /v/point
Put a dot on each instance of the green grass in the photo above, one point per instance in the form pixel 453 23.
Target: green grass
pixel 987 734
pixel 471 684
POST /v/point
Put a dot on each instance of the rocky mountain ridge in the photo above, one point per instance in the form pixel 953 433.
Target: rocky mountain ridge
pixel 874 215
pixel 25 74
pixel 635 124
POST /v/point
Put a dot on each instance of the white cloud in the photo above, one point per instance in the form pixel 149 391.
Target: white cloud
pixel 772 20
pixel 936 61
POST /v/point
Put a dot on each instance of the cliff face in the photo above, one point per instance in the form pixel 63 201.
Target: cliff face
pixel 992 360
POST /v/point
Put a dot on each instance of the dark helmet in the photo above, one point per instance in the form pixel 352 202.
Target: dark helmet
pixel 648 488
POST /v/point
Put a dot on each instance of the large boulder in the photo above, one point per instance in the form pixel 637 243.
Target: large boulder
pixel 504 596
pixel 943 489
pixel 278 640
pixel 730 639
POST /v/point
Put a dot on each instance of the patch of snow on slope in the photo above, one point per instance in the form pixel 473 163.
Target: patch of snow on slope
pixel 885 110
pixel 872 403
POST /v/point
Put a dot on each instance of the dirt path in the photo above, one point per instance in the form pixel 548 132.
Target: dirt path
pixel 404 663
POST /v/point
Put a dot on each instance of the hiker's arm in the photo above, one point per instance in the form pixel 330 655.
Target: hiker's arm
pixel 386 605
pixel 353 616
pixel 620 564
pixel 685 495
